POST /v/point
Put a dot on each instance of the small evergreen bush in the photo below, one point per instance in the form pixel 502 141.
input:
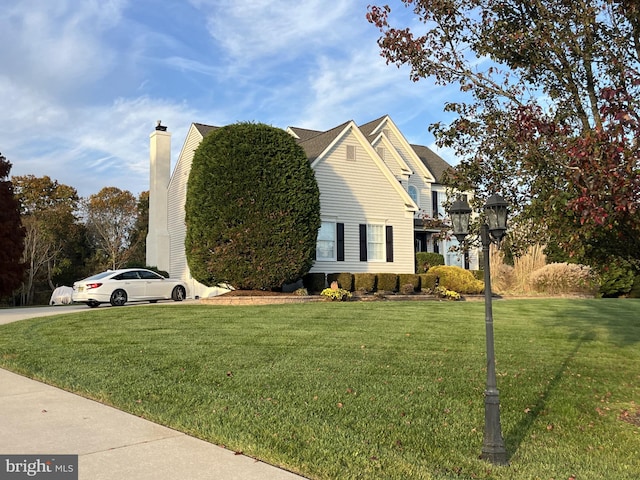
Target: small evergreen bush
pixel 409 279
pixel 426 260
pixel 387 282
pixel 616 278
pixel 345 280
pixel 407 289
pixel 457 279
pixel 428 281
pixel 314 282
pixel 364 282
pixel 635 289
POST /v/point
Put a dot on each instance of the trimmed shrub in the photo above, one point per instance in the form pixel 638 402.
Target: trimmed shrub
pixel 457 279
pixel 426 260
pixel 409 279
pixel 387 282
pixel 428 281
pixel 364 282
pixel 559 278
pixel 314 282
pixel 252 208
pixel 635 290
pixel 345 280
pixel 616 279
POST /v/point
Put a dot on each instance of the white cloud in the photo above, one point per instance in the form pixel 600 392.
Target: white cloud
pixel 57 47
pixel 84 82
pixel 252 29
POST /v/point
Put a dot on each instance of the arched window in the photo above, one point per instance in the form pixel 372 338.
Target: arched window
pixel 413 193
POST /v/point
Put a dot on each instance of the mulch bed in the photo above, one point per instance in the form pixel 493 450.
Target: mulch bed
pixel 255 293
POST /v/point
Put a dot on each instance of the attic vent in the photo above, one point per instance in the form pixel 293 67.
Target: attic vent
pixel 380 152
pixel 351 153
pixel 387 132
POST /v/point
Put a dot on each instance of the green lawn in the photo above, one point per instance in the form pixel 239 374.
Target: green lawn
pixel 389 390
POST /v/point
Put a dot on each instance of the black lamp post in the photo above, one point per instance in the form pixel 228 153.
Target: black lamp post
pixel 492 230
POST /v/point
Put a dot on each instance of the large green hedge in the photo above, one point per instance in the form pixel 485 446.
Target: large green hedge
pixel 252 208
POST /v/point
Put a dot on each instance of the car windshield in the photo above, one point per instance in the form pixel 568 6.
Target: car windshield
pixel 98 276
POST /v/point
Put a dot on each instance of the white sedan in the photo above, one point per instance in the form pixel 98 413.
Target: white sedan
pixel 118 287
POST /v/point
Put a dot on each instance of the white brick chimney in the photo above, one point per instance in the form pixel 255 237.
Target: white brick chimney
pixel 158 240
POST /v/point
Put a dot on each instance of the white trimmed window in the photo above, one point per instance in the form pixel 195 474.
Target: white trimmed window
pixel 326 244
pixel 376 243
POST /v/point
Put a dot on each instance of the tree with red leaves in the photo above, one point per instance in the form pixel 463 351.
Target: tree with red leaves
pixel 11 234
pixel 549 111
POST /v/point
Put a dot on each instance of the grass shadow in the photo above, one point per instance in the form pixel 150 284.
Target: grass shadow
pixel 516 435
pixel 620 318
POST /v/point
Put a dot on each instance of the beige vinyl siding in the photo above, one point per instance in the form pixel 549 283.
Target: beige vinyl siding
pixel 176 201
pixel 357 193
pixel 391 162
pixel 418 179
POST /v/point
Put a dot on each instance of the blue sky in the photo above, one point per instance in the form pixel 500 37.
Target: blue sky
pixel 82 83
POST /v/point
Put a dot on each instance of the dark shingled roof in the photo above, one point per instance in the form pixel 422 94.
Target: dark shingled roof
pixel 369 127
pixel 436 164
pixel 315 145
pixel 315 142
pixel 204 129
pixel 304 133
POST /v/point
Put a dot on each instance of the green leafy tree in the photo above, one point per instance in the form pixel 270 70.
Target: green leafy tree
pixel 252 208
pixel 53 236
pixel 11 234
pixel 548 113
pixel 111 218
pixel 138 253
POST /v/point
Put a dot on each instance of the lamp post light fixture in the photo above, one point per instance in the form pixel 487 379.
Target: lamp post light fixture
pixel 492 230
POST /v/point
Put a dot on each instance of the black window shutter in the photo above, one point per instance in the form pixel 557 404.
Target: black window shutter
pixel 363 243
pixel 434 204
pixel 389 240
pixel 340 241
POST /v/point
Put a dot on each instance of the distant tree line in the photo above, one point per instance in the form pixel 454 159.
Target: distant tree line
pixel 50 236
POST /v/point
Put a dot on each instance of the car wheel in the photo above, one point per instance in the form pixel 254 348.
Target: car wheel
pixel 118 298
pixel 178 294
pixel 92 304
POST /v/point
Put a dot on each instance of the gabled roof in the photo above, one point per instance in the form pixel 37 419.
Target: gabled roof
pixel 368 128
pixel 204 129
pixel 315 145
pixel 314 142
pixel 436 165
pixel 303 134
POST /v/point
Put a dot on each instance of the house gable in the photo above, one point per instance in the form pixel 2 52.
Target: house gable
pixel 321 147
pixel 386 126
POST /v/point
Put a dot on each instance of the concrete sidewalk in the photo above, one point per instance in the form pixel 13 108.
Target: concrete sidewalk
pixel 112 445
